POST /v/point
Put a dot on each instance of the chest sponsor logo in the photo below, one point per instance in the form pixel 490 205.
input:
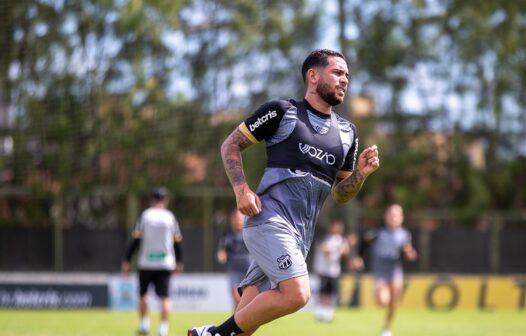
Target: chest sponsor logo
pixel 284 262
pixel 317 153
pixel 261 120
pixel 156 256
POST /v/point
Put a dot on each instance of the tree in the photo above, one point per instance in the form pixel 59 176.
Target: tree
pixel 117 94
pixel 448 71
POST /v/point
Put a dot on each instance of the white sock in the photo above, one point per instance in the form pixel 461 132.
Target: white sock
pixel 331 313
pixel 163 328
pixel 144 324
pixel 328 313
pixel 318 313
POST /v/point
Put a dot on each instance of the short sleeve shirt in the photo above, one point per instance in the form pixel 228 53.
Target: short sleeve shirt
pixel 158 229
pixel 275 120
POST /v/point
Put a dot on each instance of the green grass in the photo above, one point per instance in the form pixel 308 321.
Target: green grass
pixel 347 322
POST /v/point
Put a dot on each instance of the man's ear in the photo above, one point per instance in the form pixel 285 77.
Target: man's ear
pixel 312 75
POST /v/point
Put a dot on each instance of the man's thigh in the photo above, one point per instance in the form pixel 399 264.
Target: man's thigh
pixel 276 251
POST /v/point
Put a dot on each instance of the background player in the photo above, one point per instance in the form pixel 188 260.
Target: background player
pixel 327 265
pixel 389 244
pixel 157 236
pixel 233 252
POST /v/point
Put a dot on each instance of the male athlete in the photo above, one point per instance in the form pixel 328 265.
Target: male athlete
pixel 327 265
pixel 389 244
pixel 233 252
pixel 158 236
pixel 311 152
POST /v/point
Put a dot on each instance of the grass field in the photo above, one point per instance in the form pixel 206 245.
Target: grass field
pixel 347 322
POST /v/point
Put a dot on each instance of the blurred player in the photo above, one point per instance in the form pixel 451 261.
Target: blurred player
pixel 327 265
pixel 389 244
pixel 233 252
pixel 310 149
pixel 157 236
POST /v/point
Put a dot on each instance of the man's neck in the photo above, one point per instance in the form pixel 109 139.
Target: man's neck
pixel 316 102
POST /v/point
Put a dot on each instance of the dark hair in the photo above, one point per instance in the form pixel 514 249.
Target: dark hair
pixel 159 194
pixel 318 57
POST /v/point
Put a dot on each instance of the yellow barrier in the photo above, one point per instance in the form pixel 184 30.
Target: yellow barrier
pixel 444 292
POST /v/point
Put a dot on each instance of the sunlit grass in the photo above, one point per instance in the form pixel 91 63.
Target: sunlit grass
pixel 346 322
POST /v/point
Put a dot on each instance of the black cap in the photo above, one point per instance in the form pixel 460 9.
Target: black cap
pixel 159 193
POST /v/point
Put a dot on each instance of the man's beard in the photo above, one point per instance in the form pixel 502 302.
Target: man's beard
pixel 325 92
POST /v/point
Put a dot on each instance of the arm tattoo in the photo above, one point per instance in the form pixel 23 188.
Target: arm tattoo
pixel 231 155
pixel 345 190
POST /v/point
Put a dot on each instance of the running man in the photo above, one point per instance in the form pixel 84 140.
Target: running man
pixel 311 152
pixel 158 237
pixel 389 244
pixel 327 265
pixel 233 252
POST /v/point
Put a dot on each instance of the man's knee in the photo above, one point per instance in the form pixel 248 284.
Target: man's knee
pixel 297 294
pixel 381 301
pixel 383 297
pixel 302 297
pixel 297 300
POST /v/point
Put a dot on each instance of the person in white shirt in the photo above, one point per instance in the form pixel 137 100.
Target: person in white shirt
pixel 158 237
pixel 327 265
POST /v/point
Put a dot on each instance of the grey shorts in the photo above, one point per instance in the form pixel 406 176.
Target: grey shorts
pixel 387 271
pixel 277 255
pixel 235 278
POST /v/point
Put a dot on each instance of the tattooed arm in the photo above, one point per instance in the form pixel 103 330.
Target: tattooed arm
pixel 247 201
pixel 345 189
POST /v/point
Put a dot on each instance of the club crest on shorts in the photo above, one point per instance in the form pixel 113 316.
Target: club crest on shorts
pixel 284 261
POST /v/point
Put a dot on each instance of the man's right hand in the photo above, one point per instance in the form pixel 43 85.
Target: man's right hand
pixel 356 264
pixel 125 268
pixel 248 202
pixel 221 256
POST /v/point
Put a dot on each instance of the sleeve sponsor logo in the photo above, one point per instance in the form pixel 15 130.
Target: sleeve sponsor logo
pixel 261 120
pixel 355 154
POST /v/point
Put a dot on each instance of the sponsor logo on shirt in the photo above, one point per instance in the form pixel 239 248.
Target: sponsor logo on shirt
pixel 317 153
pixel 261 120
pixel 156 256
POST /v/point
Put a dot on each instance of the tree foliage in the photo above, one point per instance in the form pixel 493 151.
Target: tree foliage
pixel 127 94
pixel 119 94
pixel 444 76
